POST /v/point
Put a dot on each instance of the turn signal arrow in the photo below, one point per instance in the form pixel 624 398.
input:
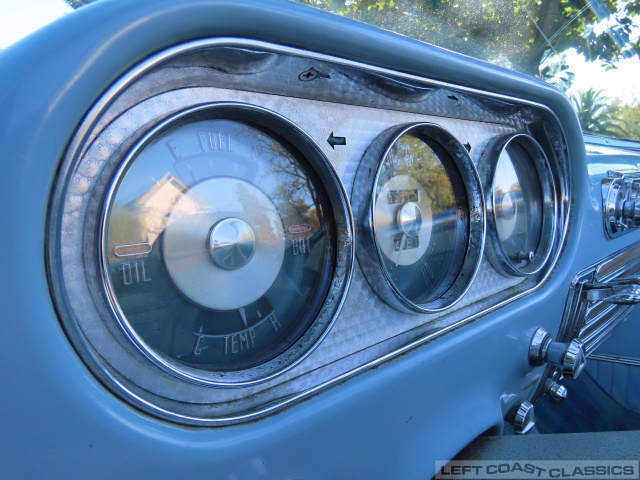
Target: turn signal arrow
pixel 333 141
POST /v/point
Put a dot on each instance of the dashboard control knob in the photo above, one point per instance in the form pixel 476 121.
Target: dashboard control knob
pixel 621 202
pixel 569 357
pixel 631 212
pixel 524 419
pixel 556 391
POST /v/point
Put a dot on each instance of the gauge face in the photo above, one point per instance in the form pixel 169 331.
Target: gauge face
pixel 520 202
pixel 416 218
pixel 217 244
pixel 421 218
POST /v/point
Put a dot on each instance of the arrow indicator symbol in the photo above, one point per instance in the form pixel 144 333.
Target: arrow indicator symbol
pixel 333 141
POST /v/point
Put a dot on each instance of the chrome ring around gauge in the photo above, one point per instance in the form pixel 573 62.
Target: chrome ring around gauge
pixel 420 217
pixel 224 241
pixel 521 209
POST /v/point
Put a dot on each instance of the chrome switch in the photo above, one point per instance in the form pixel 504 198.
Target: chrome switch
pixel 621 202
pixel 569 357
pixel 524 419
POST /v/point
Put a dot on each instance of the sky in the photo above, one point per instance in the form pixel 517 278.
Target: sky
pixel 18 18
pixel 621 83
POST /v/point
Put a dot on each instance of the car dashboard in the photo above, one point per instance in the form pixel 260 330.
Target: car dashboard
pixel 255 240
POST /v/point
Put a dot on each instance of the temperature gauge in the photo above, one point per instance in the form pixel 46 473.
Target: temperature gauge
pixel 223 241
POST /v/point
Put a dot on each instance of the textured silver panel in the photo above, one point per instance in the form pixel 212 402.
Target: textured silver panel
pixel 322 97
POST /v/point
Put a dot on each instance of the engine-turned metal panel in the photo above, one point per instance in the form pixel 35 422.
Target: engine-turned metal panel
pixel 339 108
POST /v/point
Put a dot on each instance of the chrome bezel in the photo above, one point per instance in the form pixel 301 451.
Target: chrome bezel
pixel 355 344
pixel 470 231
pixel 295 352
pixel 96 325
pixel 487 169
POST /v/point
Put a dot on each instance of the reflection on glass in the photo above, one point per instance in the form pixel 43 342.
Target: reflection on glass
pixel 418 196
pixel 172 257
pixel 517 205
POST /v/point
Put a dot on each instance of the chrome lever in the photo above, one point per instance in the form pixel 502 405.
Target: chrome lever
pixel 621 291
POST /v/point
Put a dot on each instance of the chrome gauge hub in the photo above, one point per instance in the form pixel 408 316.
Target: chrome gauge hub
pixel 232 243
pixel 214 259
pixel 521 207
pixel 422 231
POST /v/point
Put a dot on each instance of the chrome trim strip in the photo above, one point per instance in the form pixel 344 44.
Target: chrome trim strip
pixel 619 264
pixel 619 359
pixel 598 331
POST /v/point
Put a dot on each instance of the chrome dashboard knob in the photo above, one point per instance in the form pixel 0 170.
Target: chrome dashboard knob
pixel 524 419
pixel 556 391
pixel 570 357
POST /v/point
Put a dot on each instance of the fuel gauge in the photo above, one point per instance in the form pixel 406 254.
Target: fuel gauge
pixel 219 243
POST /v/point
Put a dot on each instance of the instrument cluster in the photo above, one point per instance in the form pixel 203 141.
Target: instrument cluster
pixel 238 225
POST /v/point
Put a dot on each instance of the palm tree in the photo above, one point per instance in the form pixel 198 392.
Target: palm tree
pixel 595 111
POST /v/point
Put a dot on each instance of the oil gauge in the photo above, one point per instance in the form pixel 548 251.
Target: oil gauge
pixel 420 220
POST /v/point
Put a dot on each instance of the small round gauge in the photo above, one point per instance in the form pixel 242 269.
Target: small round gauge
pixel 519 193
pixel 422 224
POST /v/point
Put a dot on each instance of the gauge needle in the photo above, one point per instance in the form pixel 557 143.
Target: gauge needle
pixel 403 243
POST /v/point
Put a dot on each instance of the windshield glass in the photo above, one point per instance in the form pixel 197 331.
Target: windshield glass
pixel 19 18
pixel 587 48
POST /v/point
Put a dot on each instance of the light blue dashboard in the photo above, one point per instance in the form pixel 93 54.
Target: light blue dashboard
pixel 382 392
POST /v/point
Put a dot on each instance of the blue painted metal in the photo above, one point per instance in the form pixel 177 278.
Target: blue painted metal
pixel 57 421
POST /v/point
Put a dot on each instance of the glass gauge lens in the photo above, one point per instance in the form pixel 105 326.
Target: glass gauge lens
pixel 518 211
pixel 520 198
pixel 423 193
pixel 217 244
pixel 415 218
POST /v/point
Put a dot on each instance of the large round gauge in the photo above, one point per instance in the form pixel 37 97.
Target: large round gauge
pixel 421 222
pixel 217 243
pixel 223 239
pixel 519 193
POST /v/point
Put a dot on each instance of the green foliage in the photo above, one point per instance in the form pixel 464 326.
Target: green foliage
pixel 513 33
pixel 604 116
pixel 596 112
pixel 628 121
